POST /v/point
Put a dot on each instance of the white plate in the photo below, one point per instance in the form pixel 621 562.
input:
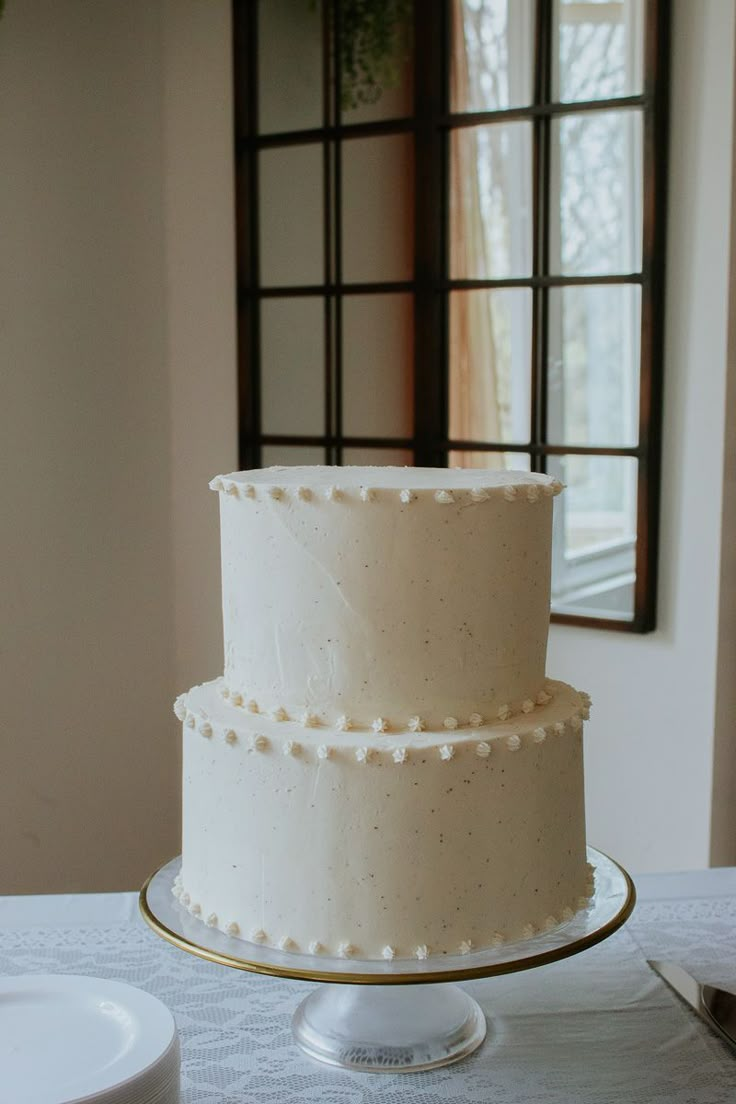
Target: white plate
pixel 65 1038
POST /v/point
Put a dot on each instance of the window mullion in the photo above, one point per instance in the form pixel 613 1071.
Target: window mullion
pixel 431 44
pixel 541 159
pixel 245 101
pixel 328 243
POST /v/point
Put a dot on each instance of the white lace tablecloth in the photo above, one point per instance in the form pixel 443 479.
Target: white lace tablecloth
pixel 594 1029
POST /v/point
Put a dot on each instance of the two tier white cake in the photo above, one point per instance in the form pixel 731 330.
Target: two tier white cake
pixel 384 770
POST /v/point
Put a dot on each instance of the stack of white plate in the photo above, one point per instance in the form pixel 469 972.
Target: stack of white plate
pixel 67 1039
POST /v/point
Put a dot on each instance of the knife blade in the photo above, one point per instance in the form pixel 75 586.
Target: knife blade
pixel 717 1007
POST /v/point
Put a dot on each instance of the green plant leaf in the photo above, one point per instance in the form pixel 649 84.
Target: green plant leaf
pixel 375 39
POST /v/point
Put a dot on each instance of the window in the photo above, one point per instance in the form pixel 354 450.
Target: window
pixel 468 270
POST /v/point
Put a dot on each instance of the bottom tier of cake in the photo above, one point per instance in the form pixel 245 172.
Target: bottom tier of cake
pixel 379 844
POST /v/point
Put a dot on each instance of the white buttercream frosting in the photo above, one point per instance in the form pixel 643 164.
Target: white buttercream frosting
pixel 229 794
pixel 377 636
pixel 372 615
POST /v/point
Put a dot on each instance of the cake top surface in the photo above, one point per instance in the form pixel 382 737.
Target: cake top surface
pixel 391 478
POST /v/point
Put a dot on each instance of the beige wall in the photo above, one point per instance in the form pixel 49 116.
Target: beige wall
pixel 723 815
pixel 115 341
pixel 200 312
pixel 117 364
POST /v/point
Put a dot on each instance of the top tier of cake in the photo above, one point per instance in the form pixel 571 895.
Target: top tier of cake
pixel 386 598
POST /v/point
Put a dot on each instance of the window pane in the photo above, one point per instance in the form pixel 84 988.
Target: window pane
pixel 293 366
pixel 290 216
pixel 288 455
pixel 597 213
pixel 593 557
pixel 378 365
pixel 378 208
pixel 593 367
pixel 491 201
pixel 492 54
pixel 393 96
pixel 289 65
pixel 599 49
pixel 400 458
pixel 497 461
pixel 490 365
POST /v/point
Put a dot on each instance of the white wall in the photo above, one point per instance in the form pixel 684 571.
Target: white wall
pixel 650 748
pixel 116 405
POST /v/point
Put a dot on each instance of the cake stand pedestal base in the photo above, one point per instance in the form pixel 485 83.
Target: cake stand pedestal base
pixel 401 1015
pixel 375 1028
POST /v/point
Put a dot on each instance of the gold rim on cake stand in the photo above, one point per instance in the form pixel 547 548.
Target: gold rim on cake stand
pixel 580 933
pixel 356 1022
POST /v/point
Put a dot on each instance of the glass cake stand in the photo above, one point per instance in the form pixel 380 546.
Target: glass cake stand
pixel 403 1015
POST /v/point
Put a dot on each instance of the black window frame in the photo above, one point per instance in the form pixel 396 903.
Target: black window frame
pixel 431 125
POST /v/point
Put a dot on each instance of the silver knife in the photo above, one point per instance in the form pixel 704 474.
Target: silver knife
pixel 716 1006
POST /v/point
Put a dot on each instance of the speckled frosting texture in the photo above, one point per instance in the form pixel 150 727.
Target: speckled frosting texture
pixel 367 848
pixel 384 769
pixel 343 588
